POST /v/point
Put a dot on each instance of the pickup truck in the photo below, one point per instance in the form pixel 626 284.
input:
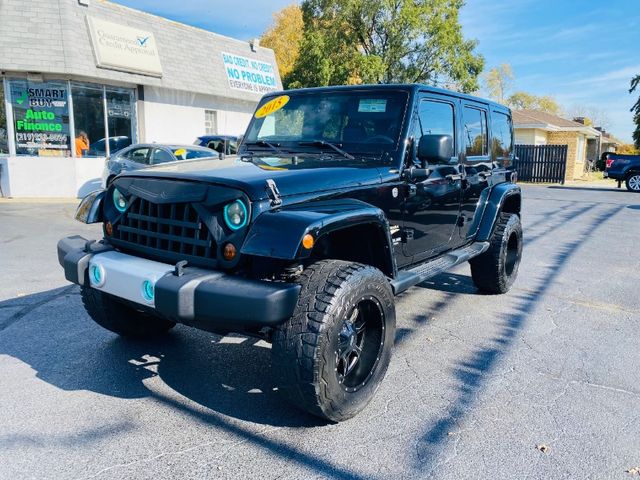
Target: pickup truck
pixel 624 168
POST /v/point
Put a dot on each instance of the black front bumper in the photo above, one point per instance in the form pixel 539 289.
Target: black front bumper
pixel 205 299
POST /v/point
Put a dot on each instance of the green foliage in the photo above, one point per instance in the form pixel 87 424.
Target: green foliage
pixel 635 82
pixel 528 101
pixel 284 37
pixel 385 41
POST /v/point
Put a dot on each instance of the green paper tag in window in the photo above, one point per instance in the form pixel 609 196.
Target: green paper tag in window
pixel 372 105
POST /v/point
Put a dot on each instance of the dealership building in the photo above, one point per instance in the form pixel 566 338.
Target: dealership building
pixel 80 78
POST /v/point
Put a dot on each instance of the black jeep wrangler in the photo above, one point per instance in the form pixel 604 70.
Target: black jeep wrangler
pixel 341 198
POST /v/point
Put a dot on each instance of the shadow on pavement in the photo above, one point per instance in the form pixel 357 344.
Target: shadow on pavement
pixel 471 373
pixel 229 376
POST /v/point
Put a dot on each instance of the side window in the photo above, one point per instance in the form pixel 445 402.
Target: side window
pixel 233 147
pixel 161 156
pixel 138 155
pixel 435 118
pixel 501 140
pixel 190 154
pixel 475 132
pixel 217 145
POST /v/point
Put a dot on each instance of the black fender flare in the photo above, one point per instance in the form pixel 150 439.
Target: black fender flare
pixel 494 204
pixel 279 233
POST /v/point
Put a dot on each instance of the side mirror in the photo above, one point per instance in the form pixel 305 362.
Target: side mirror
pixel 435 149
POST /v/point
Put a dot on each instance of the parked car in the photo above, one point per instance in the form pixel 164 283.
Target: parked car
pixel 225 144
pixel 144 155
pixel 98 148
pixel 306 244
pixel 624 168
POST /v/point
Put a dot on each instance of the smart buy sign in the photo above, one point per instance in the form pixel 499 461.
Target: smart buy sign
pixel 249 75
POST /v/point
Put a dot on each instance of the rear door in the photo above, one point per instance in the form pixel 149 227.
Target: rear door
pixel 488 145
pixel 432 205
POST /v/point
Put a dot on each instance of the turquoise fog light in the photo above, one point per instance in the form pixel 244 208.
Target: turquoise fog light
pixel 96 274
pixel 148 290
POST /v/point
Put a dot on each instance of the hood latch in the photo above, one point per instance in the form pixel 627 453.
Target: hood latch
pixel 273 193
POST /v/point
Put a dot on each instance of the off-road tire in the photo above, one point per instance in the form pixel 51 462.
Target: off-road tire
pixel 633 182
pixel 495 270
pixel 305 348
pixel 118 317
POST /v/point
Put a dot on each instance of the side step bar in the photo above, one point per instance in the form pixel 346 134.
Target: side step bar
pixel 431 268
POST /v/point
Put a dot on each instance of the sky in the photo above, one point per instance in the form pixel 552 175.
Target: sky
pixel 582 52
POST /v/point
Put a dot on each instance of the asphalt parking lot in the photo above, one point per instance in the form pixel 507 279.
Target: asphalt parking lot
pixel 543 382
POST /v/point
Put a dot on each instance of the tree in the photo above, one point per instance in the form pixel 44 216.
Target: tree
pixel 527 101
pixel 627 149
pixel 597 116
pixel 635 82
pixel 497 81
pixel 284 37
pixel 385 41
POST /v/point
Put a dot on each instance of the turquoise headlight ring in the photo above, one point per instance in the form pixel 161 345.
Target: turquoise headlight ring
pixel 119 201
pixel 236 208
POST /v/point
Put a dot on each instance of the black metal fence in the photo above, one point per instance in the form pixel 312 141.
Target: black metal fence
pixel 541 163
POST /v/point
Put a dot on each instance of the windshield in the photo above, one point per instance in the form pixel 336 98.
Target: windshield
pixel 341 124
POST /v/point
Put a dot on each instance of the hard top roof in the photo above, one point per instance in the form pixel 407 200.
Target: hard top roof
pixel 408 87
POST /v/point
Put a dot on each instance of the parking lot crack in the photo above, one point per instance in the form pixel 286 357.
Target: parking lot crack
pixel 27 309
pixel 590 384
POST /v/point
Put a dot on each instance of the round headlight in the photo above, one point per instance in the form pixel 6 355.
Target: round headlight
pixel 119 200
pixel 235 215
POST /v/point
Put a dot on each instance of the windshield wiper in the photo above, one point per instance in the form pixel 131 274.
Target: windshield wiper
pixel 322 143
pixel 264 143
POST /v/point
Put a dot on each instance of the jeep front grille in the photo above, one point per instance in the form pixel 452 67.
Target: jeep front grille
pixel 166 232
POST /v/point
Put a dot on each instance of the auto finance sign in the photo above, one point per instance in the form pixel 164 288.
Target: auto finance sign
pixel 119 47
pixel 249 74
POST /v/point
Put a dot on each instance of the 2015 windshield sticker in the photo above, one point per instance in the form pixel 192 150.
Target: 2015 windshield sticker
pixel 372 105
pixel 272 106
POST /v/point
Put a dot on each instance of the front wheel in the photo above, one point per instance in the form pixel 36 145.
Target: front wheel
pixel 330 357
pixel 495 270
pixel 633 182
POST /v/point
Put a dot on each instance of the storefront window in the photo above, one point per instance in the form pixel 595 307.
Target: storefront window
pixel 88 120
pixel 40 117
pixel 120 115
pixel 4 137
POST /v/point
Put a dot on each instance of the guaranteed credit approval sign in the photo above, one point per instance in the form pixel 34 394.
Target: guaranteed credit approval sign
pixel 249 74
pixel 123 48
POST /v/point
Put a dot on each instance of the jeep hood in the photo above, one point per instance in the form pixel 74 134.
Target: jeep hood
pixel 252 178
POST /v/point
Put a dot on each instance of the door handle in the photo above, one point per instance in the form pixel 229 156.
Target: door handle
pixel 454 177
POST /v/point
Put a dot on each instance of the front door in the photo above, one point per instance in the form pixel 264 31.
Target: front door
pixel 432 204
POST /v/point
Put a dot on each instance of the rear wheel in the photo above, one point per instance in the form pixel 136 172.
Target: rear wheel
pixel 633 182
pixel 332 354
pixel 121 318
pixel 495 270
